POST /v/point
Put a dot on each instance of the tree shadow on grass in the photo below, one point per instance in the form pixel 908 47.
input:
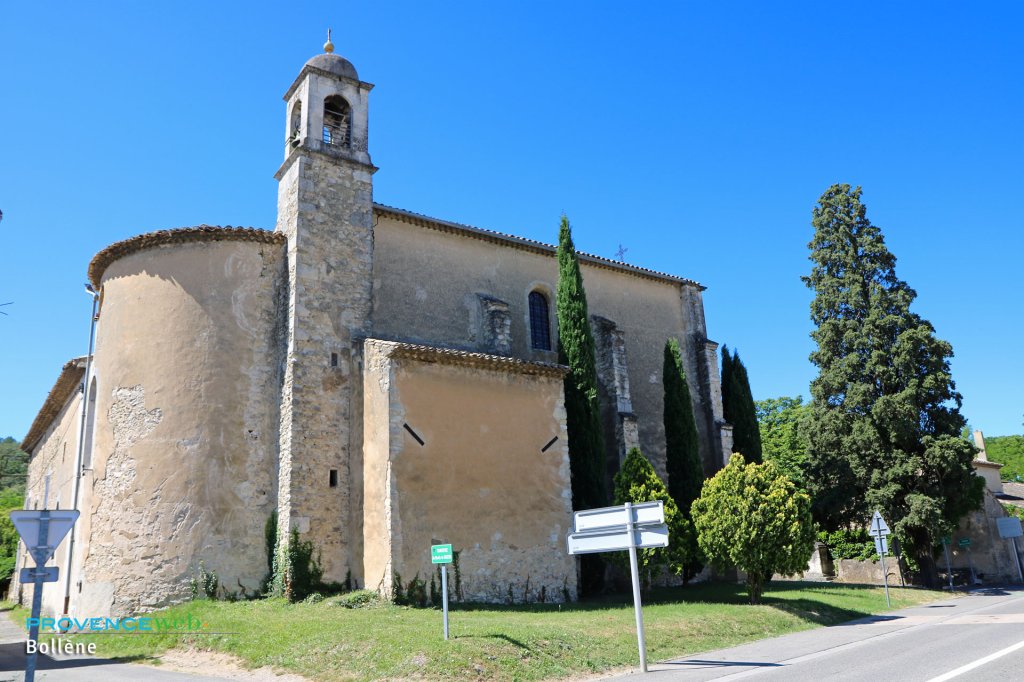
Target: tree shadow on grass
pixel 804 606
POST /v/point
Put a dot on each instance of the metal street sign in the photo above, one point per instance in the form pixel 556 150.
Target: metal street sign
pixel 1009 527
pixel 964 542
pixel 878 525
pixel 617 539
pixel 41 530
pixel 880 531
pixel 441 554
pixel 881 545
pixel 27 524
pixel 629 527
pixel 44 575
pixel 643 514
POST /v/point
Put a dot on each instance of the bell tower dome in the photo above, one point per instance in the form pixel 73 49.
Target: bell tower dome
pixel 327 108
pixel 325 208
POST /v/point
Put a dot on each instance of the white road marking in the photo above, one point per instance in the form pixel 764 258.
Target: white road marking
pixel 978 663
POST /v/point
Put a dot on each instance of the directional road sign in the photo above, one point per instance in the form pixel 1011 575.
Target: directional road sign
pixel 441 554
pixel 45 575
pixel 27 524
pixel 878 525
pixel 881 545
pixel 1009 527
pixel 645 513
pixel 964 543
pixel 617 539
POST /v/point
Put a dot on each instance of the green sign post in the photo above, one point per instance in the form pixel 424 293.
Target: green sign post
pixel 965 544
pixel 442 554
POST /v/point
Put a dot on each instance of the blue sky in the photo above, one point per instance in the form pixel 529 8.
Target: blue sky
pixel 697 136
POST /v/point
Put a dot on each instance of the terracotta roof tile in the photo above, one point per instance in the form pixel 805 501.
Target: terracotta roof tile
pixel 201 233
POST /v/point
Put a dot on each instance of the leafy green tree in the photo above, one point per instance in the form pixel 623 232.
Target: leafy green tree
pixel 782 422
pixel 738 406
pixel 1007 450
pixel 583 412
pixel 10 499
pixel 753 517
pixel 638 482
pixel 884 428
pixel 13 463
pixel 682 446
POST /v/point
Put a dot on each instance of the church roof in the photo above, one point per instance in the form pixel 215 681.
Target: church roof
pixel 67 383
pixel 527 244
pixel 335 64
pixel 202 233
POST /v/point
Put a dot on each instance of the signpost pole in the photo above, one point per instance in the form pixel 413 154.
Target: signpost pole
pixel 949 569
pixel 444 597
pixel 970 562
pixel 885 574
pixel 635 573
pixel 37 600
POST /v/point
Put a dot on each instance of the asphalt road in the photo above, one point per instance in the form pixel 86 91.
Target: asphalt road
pixel 976 637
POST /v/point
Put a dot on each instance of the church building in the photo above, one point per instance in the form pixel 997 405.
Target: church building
pixel 381 379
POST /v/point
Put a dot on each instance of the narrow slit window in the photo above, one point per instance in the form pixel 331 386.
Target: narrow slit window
pixel 334 359
pixel 333 478
pixel 540 326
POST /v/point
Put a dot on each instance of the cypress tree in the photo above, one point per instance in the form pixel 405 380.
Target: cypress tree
pixel 583 412
pixel 682 447
pixel 738 407
pixel 884 428
pixel 576 350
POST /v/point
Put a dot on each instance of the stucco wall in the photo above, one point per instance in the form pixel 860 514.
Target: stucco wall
pixel 186 431
pixel 426 284
pixel 479 480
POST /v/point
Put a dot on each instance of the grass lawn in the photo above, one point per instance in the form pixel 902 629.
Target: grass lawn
pixel 325 641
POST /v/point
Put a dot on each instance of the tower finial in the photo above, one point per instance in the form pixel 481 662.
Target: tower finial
pixel 328 46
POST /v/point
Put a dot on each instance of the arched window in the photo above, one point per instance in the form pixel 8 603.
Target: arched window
pixel 337 121
pixel 295 124
pixel 90 424
pixel 540 326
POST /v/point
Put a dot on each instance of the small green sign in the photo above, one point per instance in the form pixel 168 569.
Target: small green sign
pixel 440 554
pixel 946 540
pixel 964 542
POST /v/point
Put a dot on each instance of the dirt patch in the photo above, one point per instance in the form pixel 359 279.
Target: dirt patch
pixel 215 664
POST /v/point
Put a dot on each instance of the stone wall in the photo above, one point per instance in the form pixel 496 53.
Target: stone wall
pixel 427 285
pixel 991 555
pixel 324 208
pixel 186 424
pixel 466 449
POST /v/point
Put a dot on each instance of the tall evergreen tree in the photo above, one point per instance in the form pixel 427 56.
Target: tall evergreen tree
pixel 738 407
pixel 583 412
pixel 884 427
pixel 576 350
pixel 682 447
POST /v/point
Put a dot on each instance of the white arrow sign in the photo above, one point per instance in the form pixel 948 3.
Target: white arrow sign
pixel 615 539
pixel 878 525
pixel 643 514
pixel 27 523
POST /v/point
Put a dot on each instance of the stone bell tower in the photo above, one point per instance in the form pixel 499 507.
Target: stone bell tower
pixel 325 207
